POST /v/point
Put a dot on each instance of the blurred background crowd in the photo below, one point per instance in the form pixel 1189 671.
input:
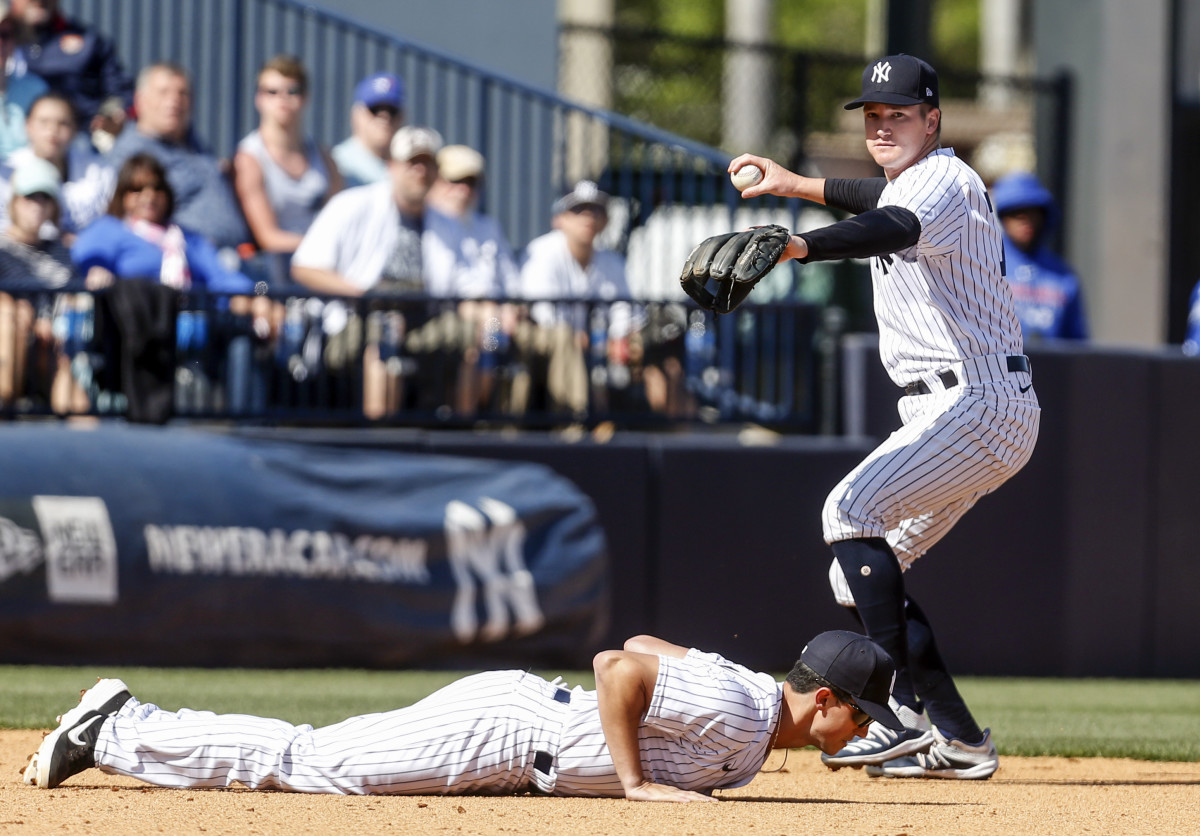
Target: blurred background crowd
pixel 380 276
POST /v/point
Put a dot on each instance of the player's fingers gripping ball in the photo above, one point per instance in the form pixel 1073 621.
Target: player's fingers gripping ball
pixel 733 262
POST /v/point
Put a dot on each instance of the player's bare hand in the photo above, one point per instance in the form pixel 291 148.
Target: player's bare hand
pixel 662 792
pixel 776 179
pixel 796 248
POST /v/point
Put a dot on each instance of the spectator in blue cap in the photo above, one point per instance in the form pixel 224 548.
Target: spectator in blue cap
pixel 375 116
pixel 1046 293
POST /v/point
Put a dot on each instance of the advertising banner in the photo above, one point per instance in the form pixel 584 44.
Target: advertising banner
pixel 168 546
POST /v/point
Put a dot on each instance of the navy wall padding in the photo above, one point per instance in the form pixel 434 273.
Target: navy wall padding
pixel 250 552
pixel 1084 564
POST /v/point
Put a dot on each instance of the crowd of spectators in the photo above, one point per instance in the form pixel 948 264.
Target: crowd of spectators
pixel 104 178
pixel 106 182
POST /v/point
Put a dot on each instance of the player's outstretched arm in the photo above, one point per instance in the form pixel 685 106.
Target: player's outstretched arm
pixel 624 683
pixel 777 180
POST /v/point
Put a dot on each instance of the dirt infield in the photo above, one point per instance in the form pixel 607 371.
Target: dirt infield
pixel 1027 796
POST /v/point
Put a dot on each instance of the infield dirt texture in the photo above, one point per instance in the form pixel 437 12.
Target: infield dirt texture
pixel 1056 796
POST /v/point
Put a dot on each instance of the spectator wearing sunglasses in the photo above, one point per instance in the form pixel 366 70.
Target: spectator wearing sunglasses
pixel 139 238
pixel 487 256
pixel 282 177
pixel 456 193
pixel 375 116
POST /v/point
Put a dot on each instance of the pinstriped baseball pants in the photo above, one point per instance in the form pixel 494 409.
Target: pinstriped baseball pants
pixel 476 735
pixel 956 446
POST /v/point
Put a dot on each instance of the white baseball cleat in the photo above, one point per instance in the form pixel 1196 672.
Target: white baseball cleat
pixel 71 748
pixel 883 744
pixel 946 758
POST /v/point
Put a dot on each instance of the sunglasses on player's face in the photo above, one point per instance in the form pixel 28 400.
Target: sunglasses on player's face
pixel 861 718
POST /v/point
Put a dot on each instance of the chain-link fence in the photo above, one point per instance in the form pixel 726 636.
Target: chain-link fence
pixel 787 104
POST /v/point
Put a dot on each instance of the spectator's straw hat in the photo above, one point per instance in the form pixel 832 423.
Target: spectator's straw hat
pixel 458 162
pixel 379 89
pixel 412 141
pixel 36 176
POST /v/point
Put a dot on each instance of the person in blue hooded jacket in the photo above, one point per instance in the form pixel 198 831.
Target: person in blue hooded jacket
pixel 1191 341
pixel 1045 289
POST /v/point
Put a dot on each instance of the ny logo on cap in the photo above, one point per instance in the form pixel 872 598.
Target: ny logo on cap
pixel 883 69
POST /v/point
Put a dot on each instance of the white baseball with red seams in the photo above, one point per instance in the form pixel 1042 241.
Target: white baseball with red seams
pixel 746 176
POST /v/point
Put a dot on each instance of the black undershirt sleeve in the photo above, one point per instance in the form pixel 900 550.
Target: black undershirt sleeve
pixel 857 195
pixel 874 232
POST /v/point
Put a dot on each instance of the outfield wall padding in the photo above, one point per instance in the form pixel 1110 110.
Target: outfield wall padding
pixel 164 546
pixel 1084 564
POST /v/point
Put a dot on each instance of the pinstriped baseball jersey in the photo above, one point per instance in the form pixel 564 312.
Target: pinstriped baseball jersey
pixel 947 323
pixel 709 726
pixel 945 298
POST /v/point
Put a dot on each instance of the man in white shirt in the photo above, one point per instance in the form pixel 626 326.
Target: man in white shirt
pixel 383 236
pixel 566 264
pixel 383 239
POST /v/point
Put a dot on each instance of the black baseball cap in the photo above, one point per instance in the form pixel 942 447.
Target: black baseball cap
pixel 858 666
pixel 900 80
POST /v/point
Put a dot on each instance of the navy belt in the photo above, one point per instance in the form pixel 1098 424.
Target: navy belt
pixel 543 762
pixel 1015 363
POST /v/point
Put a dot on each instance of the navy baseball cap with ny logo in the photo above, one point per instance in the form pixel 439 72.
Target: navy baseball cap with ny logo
pixel 899 80
pixel 859 667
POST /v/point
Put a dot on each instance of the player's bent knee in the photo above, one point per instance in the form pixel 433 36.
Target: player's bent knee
pixel 841 522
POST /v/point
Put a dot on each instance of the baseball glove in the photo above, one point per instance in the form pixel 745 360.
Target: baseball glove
pixel 735 261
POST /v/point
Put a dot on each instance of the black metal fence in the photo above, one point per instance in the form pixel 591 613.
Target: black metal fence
pixel 417 361
pixel 684 84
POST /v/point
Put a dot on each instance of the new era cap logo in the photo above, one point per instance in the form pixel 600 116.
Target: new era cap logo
pixel 883 69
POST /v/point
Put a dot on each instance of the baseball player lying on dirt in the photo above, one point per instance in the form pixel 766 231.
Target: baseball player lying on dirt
pixel 665 723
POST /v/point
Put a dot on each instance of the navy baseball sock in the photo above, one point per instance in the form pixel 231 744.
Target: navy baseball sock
pixel 947 709
pixel 873 575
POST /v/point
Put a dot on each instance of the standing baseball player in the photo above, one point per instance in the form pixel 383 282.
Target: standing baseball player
pixel 665 723
pixel 948 336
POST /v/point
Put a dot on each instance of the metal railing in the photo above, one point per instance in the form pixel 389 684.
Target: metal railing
pixel 669 193
pixel 418 361
pixel 537 144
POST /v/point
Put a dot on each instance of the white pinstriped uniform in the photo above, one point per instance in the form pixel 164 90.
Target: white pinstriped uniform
pixel 709 726
pixel 942 304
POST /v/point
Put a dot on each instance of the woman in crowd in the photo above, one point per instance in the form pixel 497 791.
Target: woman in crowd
pixel 282 176
pixel 136 239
